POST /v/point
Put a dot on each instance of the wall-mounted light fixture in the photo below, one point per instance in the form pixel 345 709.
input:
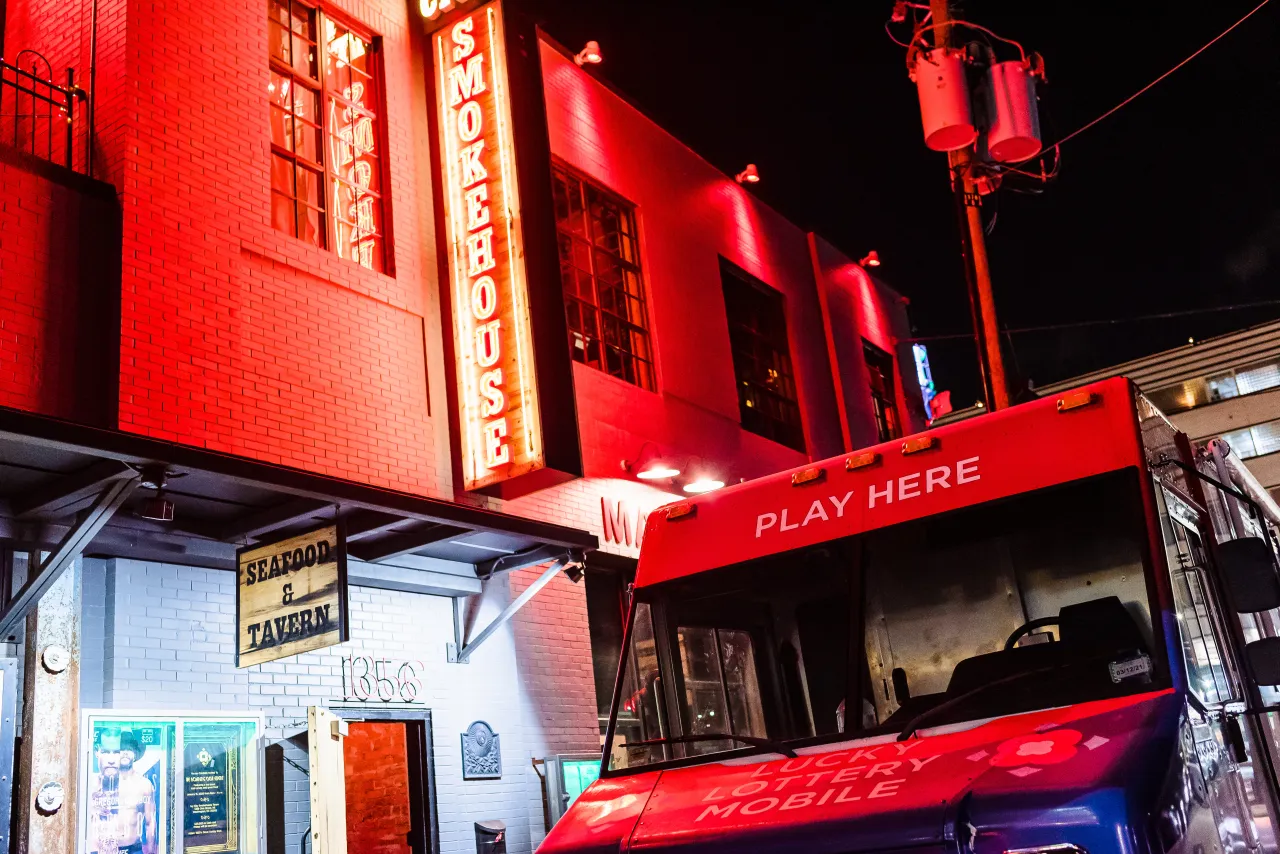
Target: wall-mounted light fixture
pixel 157 508
pixel 871 259
pixel 702 485
pixel 750 175
pixel 589 55
pixel 651 465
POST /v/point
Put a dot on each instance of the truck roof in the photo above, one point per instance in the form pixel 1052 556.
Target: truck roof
pixel 1069 436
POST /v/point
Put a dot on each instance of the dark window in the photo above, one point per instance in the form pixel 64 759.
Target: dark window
pixel 761 357
pixel 883 395
pixel 326 168
pixel 600 269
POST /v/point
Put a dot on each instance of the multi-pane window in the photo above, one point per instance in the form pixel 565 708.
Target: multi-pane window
pixel 326 172
pixel 883 394
pixel 1205 390
pixel 603 291
pixel 761 358
pixel 1255 441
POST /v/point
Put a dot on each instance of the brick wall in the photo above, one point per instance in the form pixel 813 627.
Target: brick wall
pixel 233 336
pixel 239 338
pixel 689 214
pixel 59 251
pixel 167 631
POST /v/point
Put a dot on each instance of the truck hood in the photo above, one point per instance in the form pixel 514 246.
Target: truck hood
pixel 870 794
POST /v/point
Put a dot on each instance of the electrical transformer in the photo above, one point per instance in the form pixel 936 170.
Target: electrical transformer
pixel 939 76
pixel 1014 132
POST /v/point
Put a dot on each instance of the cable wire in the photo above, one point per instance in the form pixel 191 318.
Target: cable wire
pixel 1111 322
pixel 1146 88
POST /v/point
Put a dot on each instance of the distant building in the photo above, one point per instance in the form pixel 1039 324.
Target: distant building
pixel 1227 386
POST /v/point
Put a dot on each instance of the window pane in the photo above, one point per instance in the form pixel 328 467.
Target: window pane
pixel 311 225
pixel 738 662
pixel 1223 387
pixel 278 12
pixel 304 58
pixel 278 43
pixel 304 21
pixel 1258 378
pixel 306 141
pixel 1266 438
pixel 282 175
pixel 309 183
pixel 306 104
pixel 281 128
pixel 1241 443
pixel 282 216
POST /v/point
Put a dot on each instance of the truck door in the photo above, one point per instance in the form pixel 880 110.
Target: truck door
pixel 1241 811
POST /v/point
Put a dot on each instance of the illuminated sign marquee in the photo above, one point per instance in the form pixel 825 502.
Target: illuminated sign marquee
pixel 432 9
pixel 500 428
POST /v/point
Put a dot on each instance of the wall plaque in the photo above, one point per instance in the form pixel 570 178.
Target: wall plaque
pixel 481 753
pixel 291 596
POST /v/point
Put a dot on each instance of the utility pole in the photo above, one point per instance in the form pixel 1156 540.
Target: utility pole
pixel 973 243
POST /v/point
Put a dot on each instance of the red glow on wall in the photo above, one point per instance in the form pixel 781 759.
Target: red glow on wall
pixel 500 429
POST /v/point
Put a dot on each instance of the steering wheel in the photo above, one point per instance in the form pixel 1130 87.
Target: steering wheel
pixel 1027 628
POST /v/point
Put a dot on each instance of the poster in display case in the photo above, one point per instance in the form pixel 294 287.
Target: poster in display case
pixel 170 783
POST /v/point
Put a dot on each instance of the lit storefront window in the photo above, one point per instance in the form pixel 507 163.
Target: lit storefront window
pixel 600 270
pixel 326 171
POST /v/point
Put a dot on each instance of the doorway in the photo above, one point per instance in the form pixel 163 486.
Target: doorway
pixel 390 782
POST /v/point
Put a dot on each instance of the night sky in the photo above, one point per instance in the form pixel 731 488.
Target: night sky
pixel 1171 205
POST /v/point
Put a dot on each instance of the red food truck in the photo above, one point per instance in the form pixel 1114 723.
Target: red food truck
pixel 1048 630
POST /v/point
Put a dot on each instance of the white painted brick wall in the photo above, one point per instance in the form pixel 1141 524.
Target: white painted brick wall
pixel 166 633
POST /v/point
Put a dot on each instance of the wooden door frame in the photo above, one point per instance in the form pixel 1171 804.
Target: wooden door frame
pixel 423 755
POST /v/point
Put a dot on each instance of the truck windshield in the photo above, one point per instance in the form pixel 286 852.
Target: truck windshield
pixel 862 635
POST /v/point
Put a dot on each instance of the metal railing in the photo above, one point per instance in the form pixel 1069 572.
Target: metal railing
pixel 38 116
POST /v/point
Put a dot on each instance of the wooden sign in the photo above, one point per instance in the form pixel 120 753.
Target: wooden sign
pixel 291 596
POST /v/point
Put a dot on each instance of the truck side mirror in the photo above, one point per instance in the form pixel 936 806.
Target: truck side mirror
pixel 1249 570
pixel 1264 660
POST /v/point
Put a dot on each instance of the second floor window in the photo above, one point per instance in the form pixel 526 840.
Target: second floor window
pixel 326 150
pixel 600 269
pixel 761 358
pixel 883 392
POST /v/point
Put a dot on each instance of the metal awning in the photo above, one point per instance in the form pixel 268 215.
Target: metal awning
pixel 65 486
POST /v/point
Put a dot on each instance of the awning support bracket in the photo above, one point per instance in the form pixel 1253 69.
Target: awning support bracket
pixel 72 545
pixel 459 652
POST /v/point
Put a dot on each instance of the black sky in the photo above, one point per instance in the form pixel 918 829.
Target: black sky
pixel 1172 204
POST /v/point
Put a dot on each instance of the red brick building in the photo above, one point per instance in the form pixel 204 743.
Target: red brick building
pixel 412 269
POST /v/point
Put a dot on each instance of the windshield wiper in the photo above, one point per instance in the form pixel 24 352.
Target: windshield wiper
pixel 775 746
pixel 928 714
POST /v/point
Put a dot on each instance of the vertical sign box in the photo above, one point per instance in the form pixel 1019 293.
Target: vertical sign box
pixel 513 396
pixel 500 421
pixel 291 596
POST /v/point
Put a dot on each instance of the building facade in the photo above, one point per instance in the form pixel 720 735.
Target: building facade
pixel 1227 387
pixel 410 273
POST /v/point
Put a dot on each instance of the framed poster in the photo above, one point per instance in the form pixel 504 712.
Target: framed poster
pixel 291 595
pixel 129 787
pixel 170 783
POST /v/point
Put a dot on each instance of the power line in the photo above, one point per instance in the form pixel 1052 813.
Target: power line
pixel 1110 322
pixel 1146 88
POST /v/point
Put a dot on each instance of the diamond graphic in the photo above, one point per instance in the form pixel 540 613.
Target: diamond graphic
pixel 978 757
pixel 1096 742
pixel 1024 771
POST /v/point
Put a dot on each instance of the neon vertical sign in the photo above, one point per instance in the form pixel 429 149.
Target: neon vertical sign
pixel 500 426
